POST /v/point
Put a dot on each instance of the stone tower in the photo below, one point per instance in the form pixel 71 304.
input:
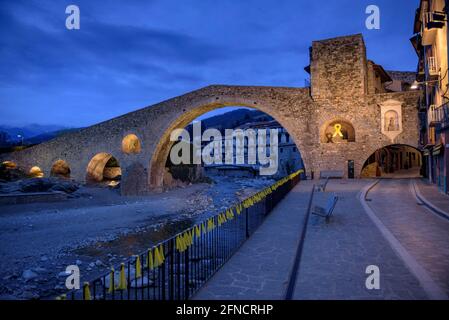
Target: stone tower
pixel 338 69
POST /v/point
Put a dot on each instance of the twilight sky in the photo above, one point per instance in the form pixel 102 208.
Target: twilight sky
pixel 131 54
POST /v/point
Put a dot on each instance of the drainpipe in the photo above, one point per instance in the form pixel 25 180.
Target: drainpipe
pixel 446 163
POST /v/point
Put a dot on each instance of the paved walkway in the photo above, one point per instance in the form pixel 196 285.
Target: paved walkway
pixel 424 234
pixel 431 193
pixel 336 255
pixel 260 269
pixel 334 258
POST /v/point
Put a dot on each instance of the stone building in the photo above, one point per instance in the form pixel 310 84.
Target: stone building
pixel 288 156
pixel 337 123
pixel 430 42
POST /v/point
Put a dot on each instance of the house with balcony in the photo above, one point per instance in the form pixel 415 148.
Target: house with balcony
pixel 430 41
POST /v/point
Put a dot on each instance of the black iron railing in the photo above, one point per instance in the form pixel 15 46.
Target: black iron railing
pixel 178 267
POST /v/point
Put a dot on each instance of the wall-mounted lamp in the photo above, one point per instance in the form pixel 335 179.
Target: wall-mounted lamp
pixel 415 85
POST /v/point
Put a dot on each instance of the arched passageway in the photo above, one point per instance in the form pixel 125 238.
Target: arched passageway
pixel 162 170
pixel 60 169
pixel 9 165
pixel 36 172
pixel 104 168
pixel 398 160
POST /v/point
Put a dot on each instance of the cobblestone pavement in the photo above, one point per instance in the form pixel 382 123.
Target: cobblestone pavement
pixel 335 255
pixel 334 259
pixel 260 269
pixel 422 233
pixel 431 193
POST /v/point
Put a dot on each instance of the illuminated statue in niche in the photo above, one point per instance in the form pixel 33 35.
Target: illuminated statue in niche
pixel 391 121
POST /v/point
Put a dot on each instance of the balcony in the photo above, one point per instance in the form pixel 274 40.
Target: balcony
pixel 434 116
pixel 438 117
pixel 443 114
pixel 432 21
pixel 432 68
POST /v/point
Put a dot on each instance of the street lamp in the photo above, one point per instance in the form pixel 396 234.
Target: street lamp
pixel 415 85
pixel 21 139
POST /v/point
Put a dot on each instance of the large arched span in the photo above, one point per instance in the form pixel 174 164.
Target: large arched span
pixel 162 150
pixel 394 160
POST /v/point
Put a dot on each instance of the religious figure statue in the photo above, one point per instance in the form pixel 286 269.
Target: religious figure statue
pixel 391 121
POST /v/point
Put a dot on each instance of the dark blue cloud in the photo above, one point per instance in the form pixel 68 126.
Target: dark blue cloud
pixel 129 54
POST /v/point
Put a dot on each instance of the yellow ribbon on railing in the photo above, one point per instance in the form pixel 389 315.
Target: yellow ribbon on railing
pixel 122 284
pixel 138 267
pixel 111 280
pixel 210 224
pixel 149 263
pixel 159 256
pixel 86 291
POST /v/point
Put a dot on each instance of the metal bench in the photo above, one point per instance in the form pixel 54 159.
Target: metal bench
pixel 332 174
pixel 327 211
pixel 321 187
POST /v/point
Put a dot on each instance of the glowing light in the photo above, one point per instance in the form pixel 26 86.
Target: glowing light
pixel 131 144
pixel 36 172
pixel 9 165
pixel 337 131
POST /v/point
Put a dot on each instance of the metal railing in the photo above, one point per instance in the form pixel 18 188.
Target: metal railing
pixel 178 267
pixel 432 66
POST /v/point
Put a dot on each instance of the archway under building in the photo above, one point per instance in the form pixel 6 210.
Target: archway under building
pixel 394 161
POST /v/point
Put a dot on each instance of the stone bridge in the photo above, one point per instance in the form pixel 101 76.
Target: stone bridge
pixel 346 89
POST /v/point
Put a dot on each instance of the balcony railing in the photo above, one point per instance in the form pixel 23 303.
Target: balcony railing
pixel 434 115
pixel 432 66
pixel 438 117
pixel 443 114
pixel 432 21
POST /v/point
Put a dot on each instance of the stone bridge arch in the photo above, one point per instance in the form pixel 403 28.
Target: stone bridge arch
pixel 152 125
pixel 294 121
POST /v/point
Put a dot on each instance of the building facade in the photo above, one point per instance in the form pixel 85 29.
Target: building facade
pixel 430 42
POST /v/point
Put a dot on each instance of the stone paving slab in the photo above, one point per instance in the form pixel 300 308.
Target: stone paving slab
pixel 422 233
pixel 260 269
pixel 334 259
pixel 335 255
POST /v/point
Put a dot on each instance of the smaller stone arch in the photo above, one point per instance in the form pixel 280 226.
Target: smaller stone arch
pixel 337 131
pixel 103 167
pixel 131 144
pixel 36 172
pixel 60 168
pixel 9 165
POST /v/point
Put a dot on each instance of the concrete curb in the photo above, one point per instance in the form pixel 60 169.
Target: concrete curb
pixel 433 291
pixel 418 195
